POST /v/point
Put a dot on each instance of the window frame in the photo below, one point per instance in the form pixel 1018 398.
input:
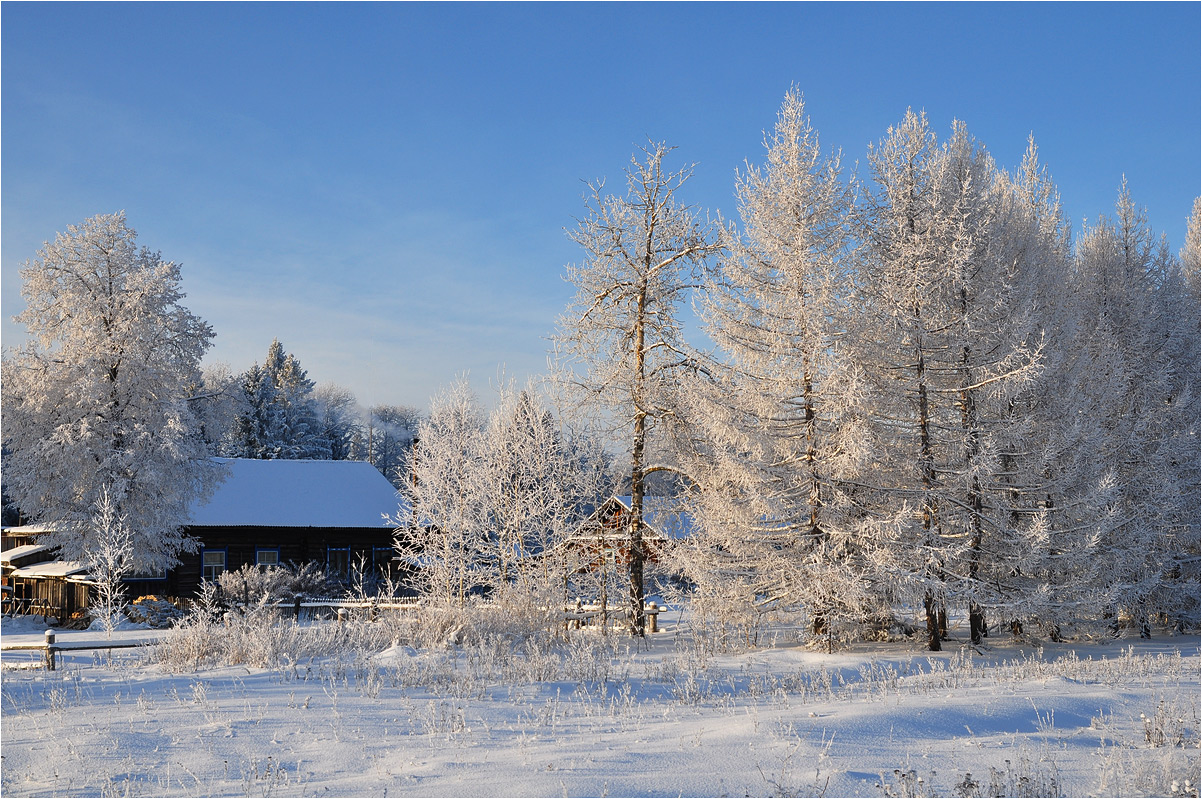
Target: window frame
pixel 345 574
pixel 274 550
pixel 204 567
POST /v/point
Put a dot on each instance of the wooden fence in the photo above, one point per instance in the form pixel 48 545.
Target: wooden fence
pixel 50 648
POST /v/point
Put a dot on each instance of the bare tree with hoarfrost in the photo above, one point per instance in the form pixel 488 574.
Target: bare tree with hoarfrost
pixel 779 425
pixel 218 402
pixel 444 530
pixel 621 335
pixel 1191 268
pixel 492 496
pixel 385 437
pixel 1136 375
pixel 97 399
pixel 541 480
pixel 109 561
pixel 338 423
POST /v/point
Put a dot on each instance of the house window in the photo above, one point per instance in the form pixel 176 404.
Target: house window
pixel 338 562
pixel 267 557
pixel 212 563
pixel 382 558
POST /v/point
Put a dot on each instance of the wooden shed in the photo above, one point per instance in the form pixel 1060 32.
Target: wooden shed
pixel 606 537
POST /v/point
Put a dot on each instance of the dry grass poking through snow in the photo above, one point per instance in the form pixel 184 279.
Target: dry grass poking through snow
pixel 464 706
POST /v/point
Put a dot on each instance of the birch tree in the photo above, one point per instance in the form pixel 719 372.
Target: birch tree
pixel 108 562
pixel 97 399
pixel 621 334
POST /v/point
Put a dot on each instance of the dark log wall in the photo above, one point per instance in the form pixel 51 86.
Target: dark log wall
pixel 295 544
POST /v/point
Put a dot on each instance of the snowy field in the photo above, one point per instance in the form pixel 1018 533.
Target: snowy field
pixel 597 717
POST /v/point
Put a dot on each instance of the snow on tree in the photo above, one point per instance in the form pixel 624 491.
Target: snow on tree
pixel 444 531
pixel 621 334
pixel 218 401
pixel 779 428
pixel 941 335
pixel 281 419
pixel 97 399
pixel 385 438
pixel 1036 434
pixel 338 422
pixel 1191 268
pixel 492 495
pixel 108 561
pixel 1136 375
pixel 541 480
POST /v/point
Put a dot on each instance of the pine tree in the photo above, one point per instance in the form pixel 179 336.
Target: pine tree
pixel 280 421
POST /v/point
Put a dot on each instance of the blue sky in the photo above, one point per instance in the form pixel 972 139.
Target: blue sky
pixel 385 187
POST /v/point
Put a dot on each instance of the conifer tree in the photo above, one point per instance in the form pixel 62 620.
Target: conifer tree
pixel 778 424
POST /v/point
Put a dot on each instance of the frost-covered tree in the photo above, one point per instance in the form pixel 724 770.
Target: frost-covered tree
pixel 941 333
pixel 1136 377
pixel 385 438
pixel 541 480
pixel 338 423
pixel 280 421
pixel 1191 268
pixel 491 496
pixel 218 402
pixel 778 419
pixel 444 530
pixel 108 562
pixel 621 335
pixel 97 398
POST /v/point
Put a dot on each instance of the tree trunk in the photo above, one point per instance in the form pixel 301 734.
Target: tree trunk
pixel 927 466
pixel 972 448
pixel 976 623
pixel 933 639
pixel 638 619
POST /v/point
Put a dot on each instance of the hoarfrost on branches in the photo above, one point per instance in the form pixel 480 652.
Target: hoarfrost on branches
pixel 621 336
pixel 97 399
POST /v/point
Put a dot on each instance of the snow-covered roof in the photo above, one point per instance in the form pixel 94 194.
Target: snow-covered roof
pixel 28 529
pixel 51 568
pixel 23 551
pixel 287 493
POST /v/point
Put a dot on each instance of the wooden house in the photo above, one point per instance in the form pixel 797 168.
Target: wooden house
pixel 273 513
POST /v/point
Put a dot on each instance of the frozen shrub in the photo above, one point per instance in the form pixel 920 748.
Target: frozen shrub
pixel 251 584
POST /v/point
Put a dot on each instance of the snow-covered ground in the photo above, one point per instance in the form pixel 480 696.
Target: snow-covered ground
pixel 666 719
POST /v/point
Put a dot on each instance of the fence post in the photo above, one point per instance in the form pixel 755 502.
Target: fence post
pixel 50 650
pixel 652 618
pixel 341 617
pixel 296 608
